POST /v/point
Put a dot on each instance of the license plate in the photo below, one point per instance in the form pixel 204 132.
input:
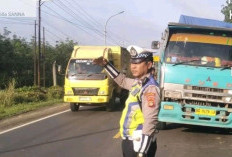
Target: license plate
pixel 84 98
pixel 207 112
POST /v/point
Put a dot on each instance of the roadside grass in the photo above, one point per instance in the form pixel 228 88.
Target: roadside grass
pixel 6 112
pixel 17 101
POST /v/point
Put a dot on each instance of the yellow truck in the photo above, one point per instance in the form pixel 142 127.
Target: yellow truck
pixel 88 84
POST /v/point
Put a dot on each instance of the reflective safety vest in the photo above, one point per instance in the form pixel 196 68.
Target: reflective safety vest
pixel 132 116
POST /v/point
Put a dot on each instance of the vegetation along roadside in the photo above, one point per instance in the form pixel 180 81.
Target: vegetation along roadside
pixel 16 101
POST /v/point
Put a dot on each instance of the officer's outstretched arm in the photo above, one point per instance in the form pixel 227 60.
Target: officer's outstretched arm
pixel 118 77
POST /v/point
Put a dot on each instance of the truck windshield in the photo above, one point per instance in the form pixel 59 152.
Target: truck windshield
pixel 81 66
pixel 199 50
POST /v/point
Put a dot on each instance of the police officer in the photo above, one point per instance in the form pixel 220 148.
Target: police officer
pixel 140 115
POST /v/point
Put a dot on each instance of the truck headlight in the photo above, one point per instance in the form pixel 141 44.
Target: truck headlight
pixel 228 99
pixel 172 94
pixel 230 92
pixel 101 93
pixel 69 92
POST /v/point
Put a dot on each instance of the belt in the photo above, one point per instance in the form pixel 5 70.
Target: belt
pixel 131 139
pixel 127 138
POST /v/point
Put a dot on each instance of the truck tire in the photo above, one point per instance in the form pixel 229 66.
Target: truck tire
pixel 111 104
pixel 161 125
pixel 74 107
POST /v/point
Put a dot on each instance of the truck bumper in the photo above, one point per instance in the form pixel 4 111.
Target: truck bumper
pixel 87 99
pixel 189 114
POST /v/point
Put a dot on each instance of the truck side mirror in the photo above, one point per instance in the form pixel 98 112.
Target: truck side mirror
pixel 155 45
pixel 59 69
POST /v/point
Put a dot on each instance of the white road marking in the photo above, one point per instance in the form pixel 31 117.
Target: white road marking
pixel 20 126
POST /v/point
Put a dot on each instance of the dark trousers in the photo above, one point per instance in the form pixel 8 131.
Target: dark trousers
pixel 128 151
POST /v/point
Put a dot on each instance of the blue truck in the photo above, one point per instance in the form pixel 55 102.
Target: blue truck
pixel 195 73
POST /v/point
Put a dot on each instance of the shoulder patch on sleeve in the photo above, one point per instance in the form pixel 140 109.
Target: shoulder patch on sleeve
pixel 150 97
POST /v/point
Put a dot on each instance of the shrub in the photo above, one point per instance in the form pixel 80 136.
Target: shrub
pixel 7 94
pixel 12 96
pixel 55 92
pixel 29 94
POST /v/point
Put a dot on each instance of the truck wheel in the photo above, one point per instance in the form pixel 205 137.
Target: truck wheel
pixel 161 126
pixel 74 107
pixel 111 104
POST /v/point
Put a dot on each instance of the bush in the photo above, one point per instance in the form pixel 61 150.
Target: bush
pixel 55 92
pixel 12 96
pixel 7 95
pixel 29 94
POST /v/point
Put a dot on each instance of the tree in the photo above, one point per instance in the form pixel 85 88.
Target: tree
pixel 16 59
pixel 227 11
pixel 61 54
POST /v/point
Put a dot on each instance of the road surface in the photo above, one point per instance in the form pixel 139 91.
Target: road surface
pixel 92 132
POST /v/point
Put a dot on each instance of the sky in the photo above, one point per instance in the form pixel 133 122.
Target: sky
pixel 84 21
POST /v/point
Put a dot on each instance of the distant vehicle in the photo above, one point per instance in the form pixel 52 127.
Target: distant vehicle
pixel 195 73
pixel 89 84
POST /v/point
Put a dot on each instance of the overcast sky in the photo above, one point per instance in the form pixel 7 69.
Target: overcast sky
pixel 84 20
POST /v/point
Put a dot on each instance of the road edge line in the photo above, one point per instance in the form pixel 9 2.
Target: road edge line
pixel 34 121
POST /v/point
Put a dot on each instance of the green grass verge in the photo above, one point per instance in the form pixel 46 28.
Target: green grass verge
pixel 6 112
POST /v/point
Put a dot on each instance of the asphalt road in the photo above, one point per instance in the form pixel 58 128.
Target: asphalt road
pixel 91 131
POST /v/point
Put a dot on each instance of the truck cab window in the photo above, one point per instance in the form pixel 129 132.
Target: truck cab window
pixel 184 48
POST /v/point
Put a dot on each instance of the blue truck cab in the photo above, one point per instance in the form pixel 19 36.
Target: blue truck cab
pixel 195 75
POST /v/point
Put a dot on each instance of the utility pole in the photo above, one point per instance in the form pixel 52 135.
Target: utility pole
pixel 39 45
pixel 54 73
pixel 44 57
pixel 35 79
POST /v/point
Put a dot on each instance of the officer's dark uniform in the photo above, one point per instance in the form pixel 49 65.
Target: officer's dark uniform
pixel 141 109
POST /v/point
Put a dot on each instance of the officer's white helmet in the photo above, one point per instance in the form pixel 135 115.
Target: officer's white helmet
pixel 138 54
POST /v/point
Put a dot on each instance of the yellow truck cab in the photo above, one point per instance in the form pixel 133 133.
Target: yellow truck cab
pixel 87 83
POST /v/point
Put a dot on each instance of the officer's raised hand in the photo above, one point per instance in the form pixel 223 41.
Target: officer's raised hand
pixel 100 61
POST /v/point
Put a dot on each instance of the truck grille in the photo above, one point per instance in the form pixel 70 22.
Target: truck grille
pixel 197 95
pixel 205 93
pixel 85 91
pixel 206 96
pixel 207 89
pixel 204 103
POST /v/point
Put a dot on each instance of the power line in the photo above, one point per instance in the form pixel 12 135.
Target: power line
pixel 53 34
pixel 60 17
pixel 87 15
pixel 64 19
pixel 52 37
pixel 96 31
pixel 75 18
pixel 87 18
pixel 15 21
pixel 74 15
pixel 18 23
pixel 55 29
pixel 92 19
pixel 83 23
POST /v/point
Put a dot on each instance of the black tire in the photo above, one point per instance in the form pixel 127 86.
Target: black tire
pixel 161 126
pixel 74 107
pixel 111 104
